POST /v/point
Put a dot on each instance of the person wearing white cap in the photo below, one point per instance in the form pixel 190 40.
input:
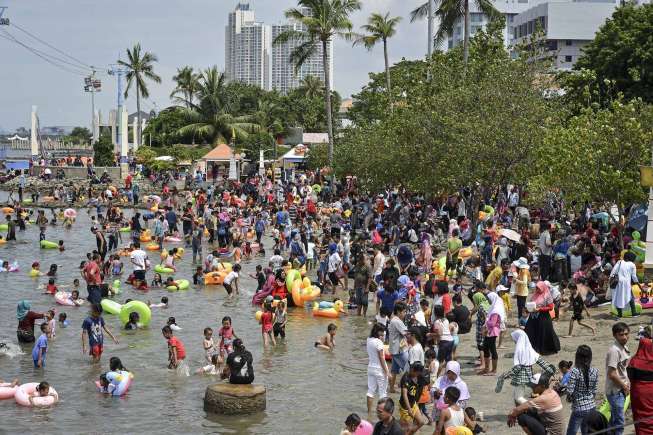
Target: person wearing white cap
pixel 520 282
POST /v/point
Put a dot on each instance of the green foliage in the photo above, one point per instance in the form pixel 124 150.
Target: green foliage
pixel 473 126
pixel 318 157
pixel 595 156
pixel 620 57
pixel 164 128
pixel 79 135
pixel 103 151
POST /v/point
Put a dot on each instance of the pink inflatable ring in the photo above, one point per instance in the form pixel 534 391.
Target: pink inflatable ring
pixel 24 391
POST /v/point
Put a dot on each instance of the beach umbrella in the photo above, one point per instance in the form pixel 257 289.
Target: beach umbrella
pixel 510 234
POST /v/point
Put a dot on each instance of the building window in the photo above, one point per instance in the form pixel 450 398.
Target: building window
pixel 568 42
pixel 552 45
pixel 567 58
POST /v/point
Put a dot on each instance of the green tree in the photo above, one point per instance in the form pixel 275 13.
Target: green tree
pixel 79 135
pixel 211 119
pixel 379 28
pixel 621 55
pixel 323 20
pixel 312 87
pixel 103 151
pixel 186 85
pixel 595 156
pixel 163 129
pixel 140 66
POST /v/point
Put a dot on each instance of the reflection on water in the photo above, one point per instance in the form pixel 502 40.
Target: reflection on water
pixel 309 391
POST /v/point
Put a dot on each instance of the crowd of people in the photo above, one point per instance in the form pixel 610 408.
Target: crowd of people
pixel 436 272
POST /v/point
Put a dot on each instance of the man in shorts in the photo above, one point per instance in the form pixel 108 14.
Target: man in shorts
pixel 412 383
pixel 139 260
pixel 397 332
pixel 92 331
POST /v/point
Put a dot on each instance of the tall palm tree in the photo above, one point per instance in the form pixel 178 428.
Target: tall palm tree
pixel 322 20
pixel 379 28
pixel 139 67
pixel 425 10
pixel 210 118
pixel 450 12
pixel 187 84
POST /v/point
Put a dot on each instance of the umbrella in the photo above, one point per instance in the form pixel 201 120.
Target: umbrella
pixel 70 213
pixel 510 234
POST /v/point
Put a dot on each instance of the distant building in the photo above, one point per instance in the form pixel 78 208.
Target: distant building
pixel 247 48
pixel 567 26
pixel 284 76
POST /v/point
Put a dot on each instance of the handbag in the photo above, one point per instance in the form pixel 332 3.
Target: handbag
pixel 614 279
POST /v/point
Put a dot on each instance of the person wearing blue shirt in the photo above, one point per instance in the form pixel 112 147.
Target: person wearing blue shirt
pixel 41 347
pixel 385 299
pixel 171 217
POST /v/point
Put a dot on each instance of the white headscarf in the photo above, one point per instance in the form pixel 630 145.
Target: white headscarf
pixel 525 355
pixel 497 306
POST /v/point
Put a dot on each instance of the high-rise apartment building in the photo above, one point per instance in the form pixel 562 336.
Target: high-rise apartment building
pixel 284 76
pixel 247 48
pixel 252 58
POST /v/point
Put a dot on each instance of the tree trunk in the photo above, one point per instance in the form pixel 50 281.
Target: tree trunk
pixel 327 99
pixel 429 47
pixel 138 115
pixel 466 37
pixel 387 71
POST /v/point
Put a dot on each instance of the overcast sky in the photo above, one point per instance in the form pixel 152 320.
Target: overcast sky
pixel 179 32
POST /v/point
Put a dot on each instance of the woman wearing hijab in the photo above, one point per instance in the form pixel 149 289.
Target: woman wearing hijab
pixel 481 307
pixel 496 316
pixel 626 272
pixel 26 319
pixel 267 289
pixel 450 378
pixel 640 374
pixel 425 252
pixel 539 327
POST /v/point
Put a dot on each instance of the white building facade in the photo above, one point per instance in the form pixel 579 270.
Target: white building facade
pixel 247 48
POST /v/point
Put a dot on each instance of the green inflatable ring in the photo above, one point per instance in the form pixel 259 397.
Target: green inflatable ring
pixel 27 201
pixel 182 284
pixel 4 227
pixel 125 229
pixel 139 307
pixel 116 287
pixel 626 311
pixel 160 269
pixel 293 274
pixel 110 307
pixel 46 244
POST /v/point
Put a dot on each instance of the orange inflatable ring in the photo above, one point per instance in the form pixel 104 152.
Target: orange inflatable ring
pixel 146 236
pixel 330 310
pixel 124 253
pixel 215 278
pixel 7 210
pixel 152 247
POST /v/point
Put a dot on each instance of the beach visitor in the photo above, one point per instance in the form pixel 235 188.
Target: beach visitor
pixel 411 384
pixel 581 389
pixel 640 376
pixel 539 327
pixel 26 319
pixel 542 414
pixel 625 274
pixel 239 366
pixel 377 368
pixel 92 330
pixel 397 332
pixel 387 424
pixel 617 385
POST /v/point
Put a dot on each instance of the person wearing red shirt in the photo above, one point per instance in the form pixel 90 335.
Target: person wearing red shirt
pixel 91 274
pixel 176 349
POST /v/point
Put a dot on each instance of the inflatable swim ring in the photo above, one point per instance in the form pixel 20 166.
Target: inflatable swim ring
pixel 182 284
pixel 4 227
pixel 7 210
pixel 258 315
pixel 145 236
pixel 152 247
pixel 215 278
pixel 23 392
pixel 110 307
pixel 124 252
pixel 7 391
pixel 63 298
pixel 46 244
pixel 125 229
pixel 172 239
pixel 327 309
pixel 301 289
pixel 179 254
pixel 161 269
pixel 458 430
pixel 139 307
pixel 626 311
pixel 121 380
pixel 27 201
pixel 2 241
pixel 34 273
pixel 645 305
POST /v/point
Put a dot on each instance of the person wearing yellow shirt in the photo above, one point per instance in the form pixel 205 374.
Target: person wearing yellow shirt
pixel 494 277
pixel 521 280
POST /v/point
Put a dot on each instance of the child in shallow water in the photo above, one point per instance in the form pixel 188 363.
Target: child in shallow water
pixel 328 341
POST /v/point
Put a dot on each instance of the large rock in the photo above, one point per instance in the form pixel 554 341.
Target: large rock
pixel 225 398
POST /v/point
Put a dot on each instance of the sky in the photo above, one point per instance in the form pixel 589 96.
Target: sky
pixel 178 32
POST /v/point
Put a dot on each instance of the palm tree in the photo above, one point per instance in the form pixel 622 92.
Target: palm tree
pixel 322 20
pixel 449 13
pixel 139 67
pixel 379 28
pixel 187 85
pixel 311 87
pixel 210 118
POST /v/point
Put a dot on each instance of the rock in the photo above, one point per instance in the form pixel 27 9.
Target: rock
pixel 232 399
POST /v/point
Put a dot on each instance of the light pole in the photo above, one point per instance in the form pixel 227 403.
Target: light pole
pixel 93 85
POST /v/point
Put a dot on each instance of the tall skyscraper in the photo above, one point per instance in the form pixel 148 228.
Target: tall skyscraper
pixel 247 48
pixel 284 76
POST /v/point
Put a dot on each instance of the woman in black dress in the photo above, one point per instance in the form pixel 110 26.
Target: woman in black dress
pixel 539 327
